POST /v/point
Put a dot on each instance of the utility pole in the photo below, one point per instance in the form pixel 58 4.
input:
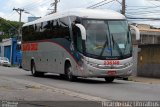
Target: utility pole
pixel 19 11
pixel 123 7
pixel 55 6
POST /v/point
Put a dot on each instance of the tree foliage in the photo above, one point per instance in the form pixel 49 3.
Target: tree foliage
pixel 9 28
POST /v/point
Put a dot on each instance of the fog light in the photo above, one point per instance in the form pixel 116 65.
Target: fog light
pixel 90 72
pixel 129 72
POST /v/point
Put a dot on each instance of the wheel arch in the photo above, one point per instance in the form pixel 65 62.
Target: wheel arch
pixel 66 64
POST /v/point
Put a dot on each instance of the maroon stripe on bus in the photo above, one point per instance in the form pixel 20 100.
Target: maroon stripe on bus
pixel 48 40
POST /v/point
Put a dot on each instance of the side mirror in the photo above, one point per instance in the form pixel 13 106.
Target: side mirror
pixel 83 31
pixel 136 30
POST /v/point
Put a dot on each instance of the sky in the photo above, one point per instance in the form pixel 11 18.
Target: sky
pixel 39 8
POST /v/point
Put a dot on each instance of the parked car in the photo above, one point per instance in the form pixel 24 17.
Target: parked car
pixel 5 61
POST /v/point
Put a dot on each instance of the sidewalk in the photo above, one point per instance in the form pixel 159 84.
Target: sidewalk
pixel 144 79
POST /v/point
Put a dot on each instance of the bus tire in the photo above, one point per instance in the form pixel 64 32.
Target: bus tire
pixel 69 74
pixel 62 75
pixel 109 79
pixel 34 72
pixel 125 78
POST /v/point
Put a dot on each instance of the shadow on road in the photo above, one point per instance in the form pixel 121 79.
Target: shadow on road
pixel 79 80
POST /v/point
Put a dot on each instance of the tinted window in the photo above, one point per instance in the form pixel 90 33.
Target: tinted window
pixel 64 28
pixel 28 33
pixel 77 38
pixel 47 30
pixel 25 33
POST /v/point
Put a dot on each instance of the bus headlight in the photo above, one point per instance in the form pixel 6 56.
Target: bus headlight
pixel 100 66
pixel 94 65
pixel 129 72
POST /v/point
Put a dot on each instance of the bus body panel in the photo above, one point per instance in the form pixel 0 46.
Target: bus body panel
pixel 50 57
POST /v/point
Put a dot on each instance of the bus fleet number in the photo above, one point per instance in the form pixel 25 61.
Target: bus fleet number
pixel 114 62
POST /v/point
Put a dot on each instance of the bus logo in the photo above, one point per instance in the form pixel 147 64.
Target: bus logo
pixel 113 62
pixel 30 47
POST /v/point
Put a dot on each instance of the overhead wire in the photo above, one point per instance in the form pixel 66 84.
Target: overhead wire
pixel 130 9
pixel 88 3
pixel 145 11
pixel 36 5
pixel 153 7
pixel 11 14
pixel 9 24
pixel 143 14
pixel 111 5
pixel 13 3
pixel 97 4
pixel 29 5
pixel 119 2
pixel 103 4
pixel 150 18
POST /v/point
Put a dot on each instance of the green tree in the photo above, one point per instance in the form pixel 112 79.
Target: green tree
pixel 9 28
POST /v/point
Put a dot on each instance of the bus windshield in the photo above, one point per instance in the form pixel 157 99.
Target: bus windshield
pixel 107 39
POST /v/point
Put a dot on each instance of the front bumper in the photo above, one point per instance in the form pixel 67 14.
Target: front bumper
pixel 91 71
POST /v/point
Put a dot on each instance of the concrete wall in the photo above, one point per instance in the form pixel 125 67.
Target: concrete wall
pixel 135 55
pixel 149 61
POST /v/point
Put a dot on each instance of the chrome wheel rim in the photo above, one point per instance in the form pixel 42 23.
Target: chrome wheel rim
pixel 33 70
pixel 69 73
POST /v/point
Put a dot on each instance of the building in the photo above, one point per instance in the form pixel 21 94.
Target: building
pixel 32 18
pixel 9 50
pixel 147 54
pixel 149 35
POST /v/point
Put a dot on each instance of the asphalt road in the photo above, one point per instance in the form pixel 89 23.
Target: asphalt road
pixel 118 90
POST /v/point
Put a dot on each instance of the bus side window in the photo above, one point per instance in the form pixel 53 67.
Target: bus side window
pixel 30 36
pixel 51 25
pixel 41 27
pixel 25 32
pixel 77 38
pixel 35 27
pixel 38 27
pixel 55 29
pixel 64 28
pixel 47 25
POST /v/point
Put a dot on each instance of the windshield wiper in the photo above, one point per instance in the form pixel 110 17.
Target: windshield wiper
pixel 116 44
pixel 127 42
pixel 104 46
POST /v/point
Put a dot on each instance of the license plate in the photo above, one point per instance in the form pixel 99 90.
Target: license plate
pixel 111 73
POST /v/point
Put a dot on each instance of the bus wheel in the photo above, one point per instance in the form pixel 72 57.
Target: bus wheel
pixel 125 78
pixel 109 79
pixel 69 73
pixel 34 72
